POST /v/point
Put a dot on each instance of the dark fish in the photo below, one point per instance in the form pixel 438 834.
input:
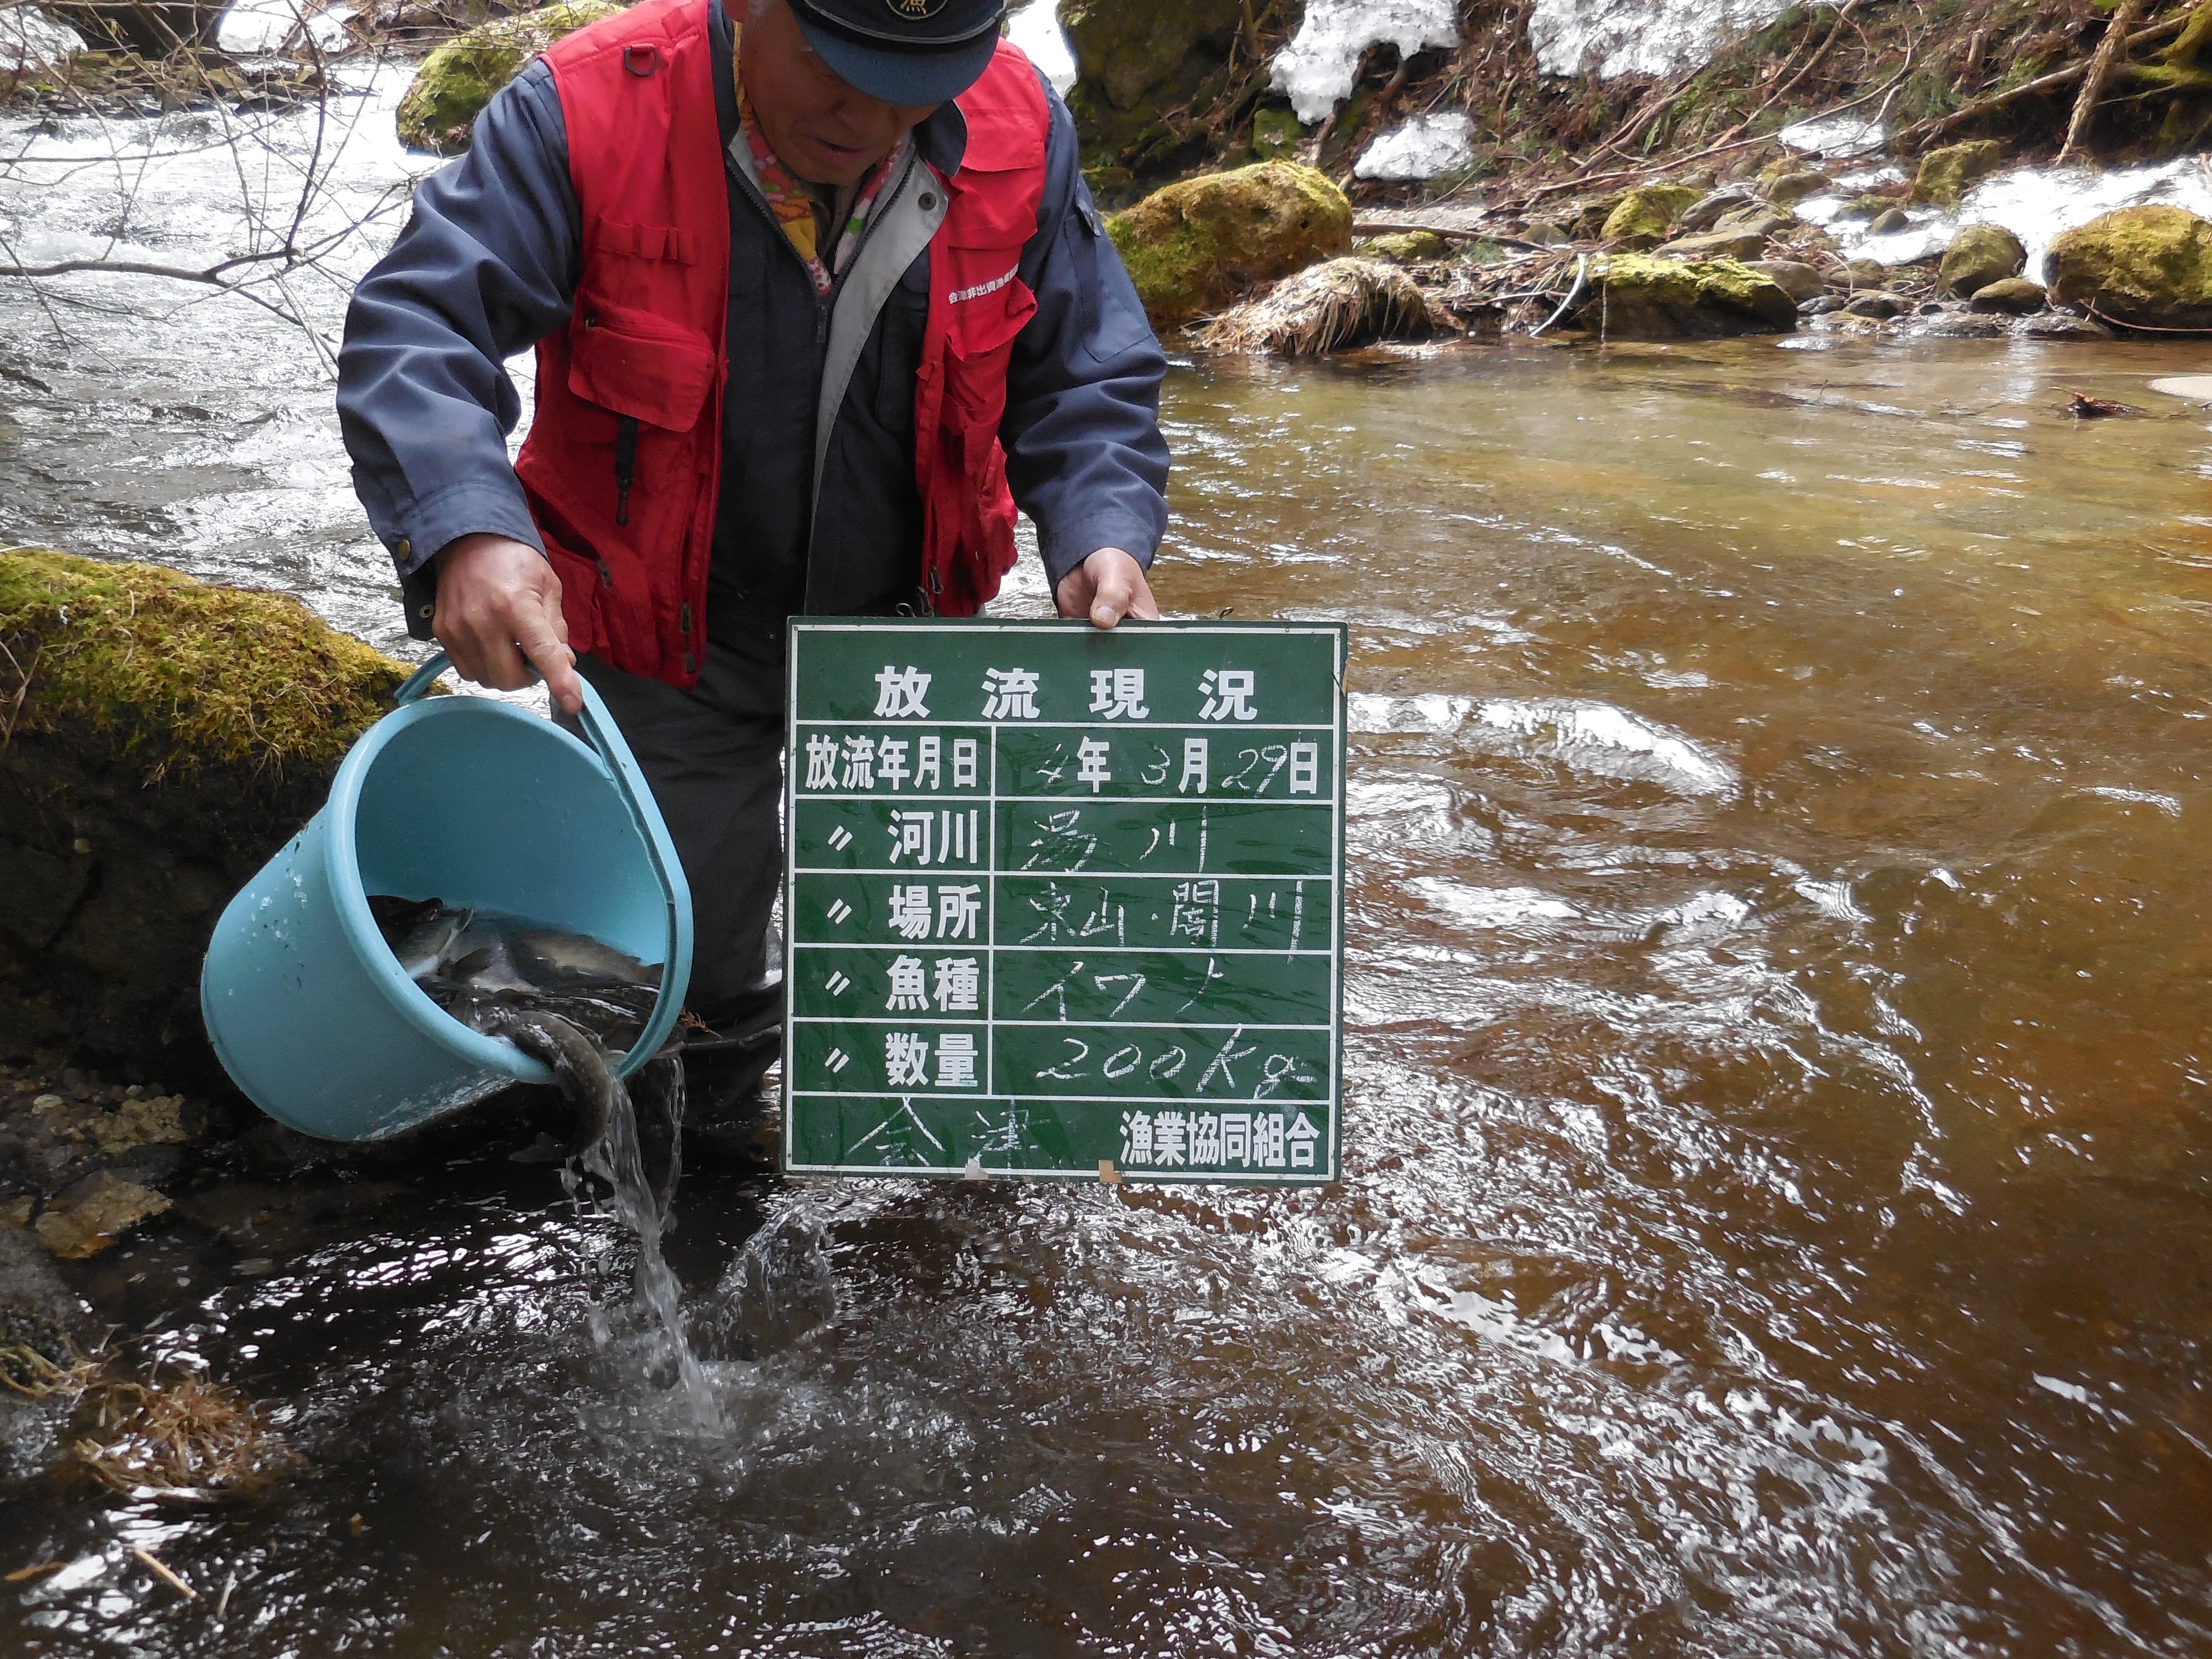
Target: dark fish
pixel 572 1054
pixel 563 999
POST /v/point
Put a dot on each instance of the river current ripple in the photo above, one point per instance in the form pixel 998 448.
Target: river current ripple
pixel 1776 1212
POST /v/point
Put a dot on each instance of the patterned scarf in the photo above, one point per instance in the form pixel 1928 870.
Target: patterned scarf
pixel 798 208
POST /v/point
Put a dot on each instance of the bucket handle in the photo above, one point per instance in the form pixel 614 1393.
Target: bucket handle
pixel 606 739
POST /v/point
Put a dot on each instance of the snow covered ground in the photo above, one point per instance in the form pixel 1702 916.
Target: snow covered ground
pixel 1608 38
pixel 1318 68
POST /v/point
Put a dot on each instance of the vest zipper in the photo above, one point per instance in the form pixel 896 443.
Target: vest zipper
pixel 625 466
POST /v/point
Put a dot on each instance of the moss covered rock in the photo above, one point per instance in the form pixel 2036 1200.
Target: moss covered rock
pixel 1790 188
pixel 1197 245
pixel 1405 247
pixel 2011 296
pixel 2148 267
pixel 457 79
pixel 1945 173
pixel 1979 255
pixel 162 738
pixel 1642 218
pixel 1641 296
pixel 1274 135
pixel 1137 59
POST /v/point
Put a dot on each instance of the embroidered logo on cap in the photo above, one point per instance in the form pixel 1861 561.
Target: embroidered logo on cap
pixel 916 10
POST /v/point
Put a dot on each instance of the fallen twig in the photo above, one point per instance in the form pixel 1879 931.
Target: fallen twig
pixel 2073 72
pixel 166 1576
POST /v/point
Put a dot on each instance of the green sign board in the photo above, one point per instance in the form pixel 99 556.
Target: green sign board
pixel 1065 903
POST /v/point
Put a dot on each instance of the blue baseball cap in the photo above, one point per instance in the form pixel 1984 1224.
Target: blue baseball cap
pixel 903 52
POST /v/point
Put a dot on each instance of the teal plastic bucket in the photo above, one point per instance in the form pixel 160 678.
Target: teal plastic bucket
pixel 466 799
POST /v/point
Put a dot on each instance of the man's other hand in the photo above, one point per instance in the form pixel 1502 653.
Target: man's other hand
pixel 1106 587
pixel 499 617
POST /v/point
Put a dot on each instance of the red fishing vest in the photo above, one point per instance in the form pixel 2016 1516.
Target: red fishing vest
pixel 622 465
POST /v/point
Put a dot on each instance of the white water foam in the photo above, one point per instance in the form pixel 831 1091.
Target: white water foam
pixel 2035 204
pixel 1318 68
pixel 1609 38
pixel 1592 737
pixel 1425 146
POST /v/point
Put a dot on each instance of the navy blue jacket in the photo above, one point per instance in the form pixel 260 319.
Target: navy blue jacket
pixel 489 264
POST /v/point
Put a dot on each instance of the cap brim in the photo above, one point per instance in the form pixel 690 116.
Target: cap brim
pixel 908 78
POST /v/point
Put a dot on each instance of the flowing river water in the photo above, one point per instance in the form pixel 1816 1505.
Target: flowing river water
pixel 1778 1215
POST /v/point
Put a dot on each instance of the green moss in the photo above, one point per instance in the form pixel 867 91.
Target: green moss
pixel 1643 218
pixel 457 79
pixel 177 672
pixel 1200 243
pixel 2148 265
pixel 1274 135
pixel 1643 296
pixel 1137 59
pixel 1945 173
pixel 1405 247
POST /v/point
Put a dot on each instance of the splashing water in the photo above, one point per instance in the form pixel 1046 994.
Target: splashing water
pixel 647 1209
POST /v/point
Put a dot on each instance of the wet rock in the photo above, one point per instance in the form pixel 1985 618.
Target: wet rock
pixel 1196 245
pixel 1889 221
pixel 1704 214
pixel 1643 218
pixel 2149 266
pixel 2012 296
pixel 172 736
pixel 1645 297
pixel 1327 308
pixel 1945 173
pixel 1790 188
pixel 1758 218
pixel 1878 305
pixel 1742 245
pixel 1979 255
pixel 1867 207
pixel 1960 325
pixel 1821 306
pixel 89 1216
pixel 43 1327
pixel 1867 273
pixel 1136 58
pixel 1797 280
pixel 457 79
pixel 2060 325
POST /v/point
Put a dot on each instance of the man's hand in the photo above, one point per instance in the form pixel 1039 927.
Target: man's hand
pixel 499 616
pixel 1106 587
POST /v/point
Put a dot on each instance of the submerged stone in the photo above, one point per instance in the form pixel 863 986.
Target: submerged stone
pixel 1980 255
pixel 1945 173
pixel 1198 244
pixel 1644 297
pixel 91 1216
pixel 457 79
pixel 2143 266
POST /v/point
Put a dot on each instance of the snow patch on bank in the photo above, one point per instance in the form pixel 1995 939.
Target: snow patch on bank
pixel 249 29
pixel 1035 29
pixel 1609 38
pixel 1318 68
pixel 30 38
pixel 1425 147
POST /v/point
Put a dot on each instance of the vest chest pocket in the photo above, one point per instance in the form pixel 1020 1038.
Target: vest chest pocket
pixel 639 365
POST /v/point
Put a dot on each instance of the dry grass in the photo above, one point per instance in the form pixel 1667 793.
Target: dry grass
pixel 1326 307
pixel 184 1437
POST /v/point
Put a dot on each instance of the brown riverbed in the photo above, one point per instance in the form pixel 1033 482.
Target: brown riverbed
pixel 1778 1212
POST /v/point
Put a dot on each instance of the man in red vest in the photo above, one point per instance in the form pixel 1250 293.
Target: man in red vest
pixel 817 295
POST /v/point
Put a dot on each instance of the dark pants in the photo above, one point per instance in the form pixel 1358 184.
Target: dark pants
pixel 714 758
